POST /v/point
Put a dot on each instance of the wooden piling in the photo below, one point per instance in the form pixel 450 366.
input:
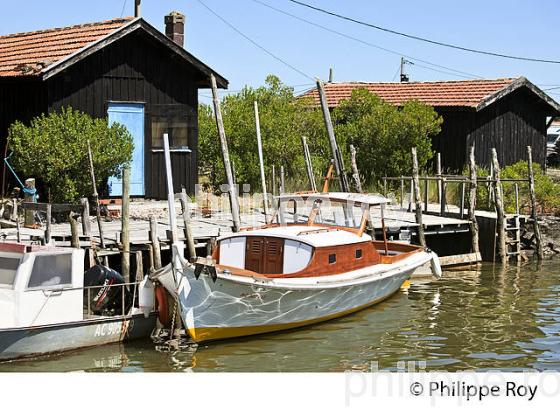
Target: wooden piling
pixel 338 163
pixel 438 174
pixel 156 248
pixel 274 192
pixel 86 223
pixel 95 197
pixel 139 266
pixel 75 238
pixel 48 223
pixel 536 228
pixel 309 165
pixel 29 196
pixel 189 238
pixel 472 202
pixel 125 225
pixel 282 180
pixel 261 160
pixel 462 204
pixel 417 199
pixel 500 214
pixel 355 171
pixel 443 196
pixel 234 204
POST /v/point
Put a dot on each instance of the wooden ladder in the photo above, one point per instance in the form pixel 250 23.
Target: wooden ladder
pixel 513 238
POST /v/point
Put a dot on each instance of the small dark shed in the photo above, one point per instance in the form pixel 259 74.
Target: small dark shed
pixel 507 114
pixel 124 70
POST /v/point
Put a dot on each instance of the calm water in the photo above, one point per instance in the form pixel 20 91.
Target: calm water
pixel 487 319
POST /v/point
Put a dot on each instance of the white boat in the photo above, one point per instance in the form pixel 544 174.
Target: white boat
pixel 286 275
pixel 45 307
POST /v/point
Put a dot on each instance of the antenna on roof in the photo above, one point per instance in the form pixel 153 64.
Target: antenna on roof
pixel 404 77
pixel 137 8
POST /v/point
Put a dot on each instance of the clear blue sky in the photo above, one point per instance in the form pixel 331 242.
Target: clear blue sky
pixel 519 27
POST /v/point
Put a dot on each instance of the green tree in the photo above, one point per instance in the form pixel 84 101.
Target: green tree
pixel 283 120
pixel 384 134
pixel 53 149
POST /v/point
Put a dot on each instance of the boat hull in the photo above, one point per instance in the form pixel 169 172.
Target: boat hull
pixel 234 307
pixel 47 339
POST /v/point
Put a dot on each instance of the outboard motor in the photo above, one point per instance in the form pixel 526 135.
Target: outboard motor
pixel 105 300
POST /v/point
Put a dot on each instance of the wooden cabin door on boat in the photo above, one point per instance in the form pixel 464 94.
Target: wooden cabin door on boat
pixel 264 255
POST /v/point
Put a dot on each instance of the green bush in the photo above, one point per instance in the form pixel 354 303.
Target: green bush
pixel 53 149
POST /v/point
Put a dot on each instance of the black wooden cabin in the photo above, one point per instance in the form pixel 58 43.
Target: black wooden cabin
pixel 123 69
pixel 507 114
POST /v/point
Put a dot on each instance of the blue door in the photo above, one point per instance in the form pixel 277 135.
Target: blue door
pixel 132 117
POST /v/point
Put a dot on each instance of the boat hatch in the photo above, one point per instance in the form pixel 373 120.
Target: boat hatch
pixel 264 254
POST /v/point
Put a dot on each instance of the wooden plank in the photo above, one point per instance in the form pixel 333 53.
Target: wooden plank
pixel 464 259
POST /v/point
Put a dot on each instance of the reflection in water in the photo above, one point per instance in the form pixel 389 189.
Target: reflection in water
pixel 488 319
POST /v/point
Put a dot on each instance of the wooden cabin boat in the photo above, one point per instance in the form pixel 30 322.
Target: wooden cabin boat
pixel 286 275
pixel 45 307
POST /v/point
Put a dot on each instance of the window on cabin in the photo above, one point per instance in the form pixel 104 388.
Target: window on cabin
pixel 332 258
pixel 8 269
pixel 358 253
pixel 177 121
pixel 51 270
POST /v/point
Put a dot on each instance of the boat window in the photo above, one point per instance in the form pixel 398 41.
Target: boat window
pixel 332 258
pixel 232 252
pixel 358 253
pixel 296 256
pixel 51 270
pixel 8 269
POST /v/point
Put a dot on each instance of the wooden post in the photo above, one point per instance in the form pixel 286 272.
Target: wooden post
pixel 339 164
pixel 417 199
pixel 438 174
pixel 48 229
pixel 75 241
pixel 516 198
pixel 95 197
pixel 86 223
pixel 29 196
pixel 187 221
pixel 309 165
pixel 534 204
pixel 261 160
pixel 14 216
pixel 156 249
pixel 170 190
pixel 500 215
pixel 125 225
pixel 139 266
pixel 234 204
pixel 355 171
pixel 426 194
pixel 443 194
pixel 274 192
pixel 462 206
pixel 472 202
pixel 282 180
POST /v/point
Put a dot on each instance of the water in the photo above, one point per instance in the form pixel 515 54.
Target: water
pixel 484 319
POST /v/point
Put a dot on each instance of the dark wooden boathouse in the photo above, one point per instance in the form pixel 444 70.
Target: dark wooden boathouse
pixel 124 70
pixel 507 114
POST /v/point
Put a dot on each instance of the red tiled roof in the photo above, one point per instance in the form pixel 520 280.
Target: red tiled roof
pixel 468 93
pixel 26 54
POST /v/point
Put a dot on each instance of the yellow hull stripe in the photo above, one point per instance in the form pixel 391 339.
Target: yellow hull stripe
pixel 215 333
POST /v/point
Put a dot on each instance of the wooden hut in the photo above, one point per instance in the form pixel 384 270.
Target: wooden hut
pixel 507 114
pixel 124 70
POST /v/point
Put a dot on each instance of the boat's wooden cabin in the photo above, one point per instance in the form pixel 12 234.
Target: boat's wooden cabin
pixel 40 286
pixel 314 245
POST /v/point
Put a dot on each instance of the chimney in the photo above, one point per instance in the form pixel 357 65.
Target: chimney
pixel 175 27
pixel 137 8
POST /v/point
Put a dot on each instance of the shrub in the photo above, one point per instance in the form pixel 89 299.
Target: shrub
pixel 53 149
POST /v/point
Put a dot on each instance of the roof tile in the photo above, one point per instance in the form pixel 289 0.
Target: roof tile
pixel 466 93
pixel 25 54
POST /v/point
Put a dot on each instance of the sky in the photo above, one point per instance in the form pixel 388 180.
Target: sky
pixel 517 27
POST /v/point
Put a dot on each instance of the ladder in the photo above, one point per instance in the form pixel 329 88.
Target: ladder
pixel 513 236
